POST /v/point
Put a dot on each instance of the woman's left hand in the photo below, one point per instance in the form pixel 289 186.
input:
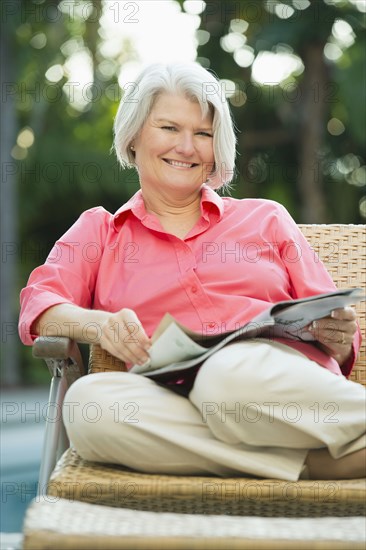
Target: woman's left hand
pixel 335 333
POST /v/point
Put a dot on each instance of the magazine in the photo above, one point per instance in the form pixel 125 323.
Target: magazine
pixel 177 348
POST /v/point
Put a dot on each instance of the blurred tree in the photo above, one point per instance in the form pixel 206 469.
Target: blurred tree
pixel 8 206
pixel 61 134
pixel 303 136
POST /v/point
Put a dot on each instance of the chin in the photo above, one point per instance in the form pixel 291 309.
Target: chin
pixel 181 183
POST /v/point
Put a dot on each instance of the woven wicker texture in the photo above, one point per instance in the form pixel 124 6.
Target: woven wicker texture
pixel 342 249
pixel 63 524
pixel 78 479
pixel 102 361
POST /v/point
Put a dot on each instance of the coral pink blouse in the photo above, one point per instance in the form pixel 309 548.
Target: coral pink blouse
pixel 239 258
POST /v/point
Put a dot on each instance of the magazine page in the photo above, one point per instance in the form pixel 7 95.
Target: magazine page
pixel 250 330
pixel 175 347
pixel 172 346
pixel 291 317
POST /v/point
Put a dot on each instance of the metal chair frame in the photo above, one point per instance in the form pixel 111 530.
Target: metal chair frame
pixel 346 261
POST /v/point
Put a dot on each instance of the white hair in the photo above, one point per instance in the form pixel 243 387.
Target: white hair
pixel 196 83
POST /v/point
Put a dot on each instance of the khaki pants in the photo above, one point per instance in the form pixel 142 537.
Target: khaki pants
pixel 256 408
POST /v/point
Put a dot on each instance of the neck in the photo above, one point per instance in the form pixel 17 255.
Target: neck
pixel 182 206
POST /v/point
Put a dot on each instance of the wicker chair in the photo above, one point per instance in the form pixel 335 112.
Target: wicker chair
pixel 342 249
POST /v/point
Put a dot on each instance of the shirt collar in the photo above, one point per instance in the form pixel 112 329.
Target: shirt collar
pixel 210 200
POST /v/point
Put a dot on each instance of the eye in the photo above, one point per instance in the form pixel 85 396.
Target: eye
pixel 205 134
pixel 171 128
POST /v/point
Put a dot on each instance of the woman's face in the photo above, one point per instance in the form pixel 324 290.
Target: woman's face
pixel 174 149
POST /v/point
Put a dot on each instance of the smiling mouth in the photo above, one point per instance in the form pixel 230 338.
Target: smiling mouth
pixel 180 164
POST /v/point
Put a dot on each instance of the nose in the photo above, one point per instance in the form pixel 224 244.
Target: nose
pixel 185 144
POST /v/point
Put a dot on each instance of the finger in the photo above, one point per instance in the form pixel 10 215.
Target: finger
pixel 136 341
pixel 125 338
pixel 138 358
pixel 333 333
pixel 127 353
pixel 328 323
pixel 127 356
pixel 344 313
pixel 337 337
pixel 136 332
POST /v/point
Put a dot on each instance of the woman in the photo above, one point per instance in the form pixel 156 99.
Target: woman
pixel 257 407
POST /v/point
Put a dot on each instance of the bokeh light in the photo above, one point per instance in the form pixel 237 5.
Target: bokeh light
pixel 25 137
pixel 272 68
pixel 335 127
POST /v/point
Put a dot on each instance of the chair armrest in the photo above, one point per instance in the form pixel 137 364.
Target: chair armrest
pixel 62 356
pixel 53 347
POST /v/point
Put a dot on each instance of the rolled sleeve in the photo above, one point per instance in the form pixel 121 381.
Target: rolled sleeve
pixel 69 273
pixel 347 367
pixel 307 272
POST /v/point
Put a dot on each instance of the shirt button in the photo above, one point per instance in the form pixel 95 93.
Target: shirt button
pixel 194 289
pixel 211 325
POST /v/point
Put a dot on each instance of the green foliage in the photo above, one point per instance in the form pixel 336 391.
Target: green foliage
pixel 350 76
pixel 271 121
pixel 69 167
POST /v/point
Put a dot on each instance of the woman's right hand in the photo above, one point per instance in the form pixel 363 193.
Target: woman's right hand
pixel 123 336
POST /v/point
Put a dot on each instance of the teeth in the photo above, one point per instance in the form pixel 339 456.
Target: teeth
pixel 182 164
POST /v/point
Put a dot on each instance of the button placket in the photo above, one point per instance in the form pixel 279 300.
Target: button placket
pixel 185 257
pixel 190 282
